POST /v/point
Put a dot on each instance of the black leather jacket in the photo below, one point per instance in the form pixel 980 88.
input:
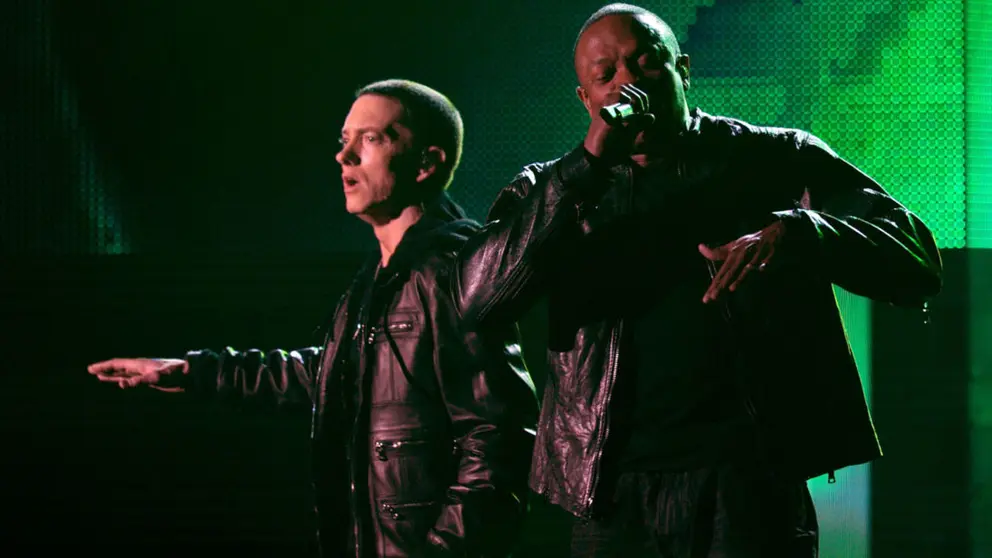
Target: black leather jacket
pixel 440 465
pixel 797 373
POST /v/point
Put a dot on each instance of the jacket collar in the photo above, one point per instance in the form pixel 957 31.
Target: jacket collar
pixel 443 222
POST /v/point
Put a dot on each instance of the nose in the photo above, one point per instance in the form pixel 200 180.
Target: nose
pixel 347 155
pixel 627 75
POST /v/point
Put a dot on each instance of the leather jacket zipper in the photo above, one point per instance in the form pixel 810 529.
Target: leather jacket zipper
pixel 316 384
pixel 328 337
pixel 384 447
pixel 605 430
pixel 395 511
pixel 359 385
pixel 399 327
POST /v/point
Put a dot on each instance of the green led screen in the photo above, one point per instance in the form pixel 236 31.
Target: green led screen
pixel 978 117
pixel 880 85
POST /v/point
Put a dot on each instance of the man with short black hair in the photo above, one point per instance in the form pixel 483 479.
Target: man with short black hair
pixel 422 426
pixel 699 370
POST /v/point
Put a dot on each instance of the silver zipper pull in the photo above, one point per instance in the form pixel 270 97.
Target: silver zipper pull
pixel 391 510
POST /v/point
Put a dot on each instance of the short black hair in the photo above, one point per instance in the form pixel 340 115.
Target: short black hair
pixel 432 118
pixel 667 35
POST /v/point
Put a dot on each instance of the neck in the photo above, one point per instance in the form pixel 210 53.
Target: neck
pixel 389 231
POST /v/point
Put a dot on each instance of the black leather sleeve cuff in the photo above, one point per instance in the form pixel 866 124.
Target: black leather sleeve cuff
pixel 801 242
pixel 201 380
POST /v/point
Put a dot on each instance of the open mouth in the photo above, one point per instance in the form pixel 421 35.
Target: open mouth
pixel 349 182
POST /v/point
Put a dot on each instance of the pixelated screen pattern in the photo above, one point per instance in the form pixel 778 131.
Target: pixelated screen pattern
pixel 59 196
pixel 978 116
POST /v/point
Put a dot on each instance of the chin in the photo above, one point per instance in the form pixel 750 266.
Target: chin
pixel 354 208
pixel 354 203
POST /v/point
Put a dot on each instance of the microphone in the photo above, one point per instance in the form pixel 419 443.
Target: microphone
pixel 617 113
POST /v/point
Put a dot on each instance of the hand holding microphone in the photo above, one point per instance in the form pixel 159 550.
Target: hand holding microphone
pixel 612 134
pixel 634 105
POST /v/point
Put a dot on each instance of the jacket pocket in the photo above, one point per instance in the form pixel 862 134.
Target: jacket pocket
pixel 387 448
pixel 405 525
pixel 409 511
pixel 399 326
pixel 411 466
pixel 396 446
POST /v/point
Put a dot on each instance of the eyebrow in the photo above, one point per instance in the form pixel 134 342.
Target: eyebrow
pixel 389 131
pixel 656 46
pixel 360 131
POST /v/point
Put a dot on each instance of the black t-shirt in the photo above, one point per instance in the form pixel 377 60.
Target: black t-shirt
pixel 678 403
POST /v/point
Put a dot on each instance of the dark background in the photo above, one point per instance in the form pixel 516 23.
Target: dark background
pixel 169 184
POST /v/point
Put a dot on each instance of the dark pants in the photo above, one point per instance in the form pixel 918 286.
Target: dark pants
pixel 726 512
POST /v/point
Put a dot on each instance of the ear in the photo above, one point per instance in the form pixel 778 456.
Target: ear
pixel 682 65
pixel 431 160
pixel 584 97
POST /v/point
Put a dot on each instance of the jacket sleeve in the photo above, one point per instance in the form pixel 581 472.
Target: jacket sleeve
pixel 278 378
pixel 505 268
pixel 858 236
pixel 492 405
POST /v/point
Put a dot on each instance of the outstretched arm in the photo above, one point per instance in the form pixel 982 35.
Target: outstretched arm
pixel 278 377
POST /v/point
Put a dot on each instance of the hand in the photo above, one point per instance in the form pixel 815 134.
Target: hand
pixel 164 374
pixel 605 141
pixel 740 257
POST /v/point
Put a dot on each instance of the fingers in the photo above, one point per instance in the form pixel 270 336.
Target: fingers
pixel 744 270
pixel 129 382
pixel 641 103
pixel 121 378
pixel 105 366
pixel 168 389
pixel 761 257
pixel 637 98
pixel 114 377
pixel 726 275
pixel 768 257
pixel 739 260
pixel 112 370
pixel 714 254
pixel 125 372
pixel 626 96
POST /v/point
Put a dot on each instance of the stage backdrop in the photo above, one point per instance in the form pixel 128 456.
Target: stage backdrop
pixel 160 129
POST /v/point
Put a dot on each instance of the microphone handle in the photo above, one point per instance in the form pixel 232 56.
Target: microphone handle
pixel 616 113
